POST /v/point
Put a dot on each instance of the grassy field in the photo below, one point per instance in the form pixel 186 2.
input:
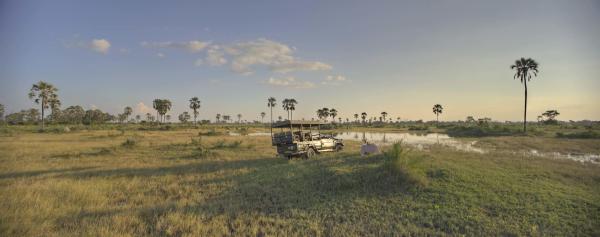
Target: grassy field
pixel 177 183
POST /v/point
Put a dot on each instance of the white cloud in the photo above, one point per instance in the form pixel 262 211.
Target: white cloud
pixel 193 46
pixel 100 45
pixel 141 108
pixel 334 80
pixel 300 66
pixel 245 56
pixel 215 57
pixel 160 55
pixel 290 82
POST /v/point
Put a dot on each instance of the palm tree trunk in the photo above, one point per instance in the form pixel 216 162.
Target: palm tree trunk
pixel 525 111
pixel 42 116
pixel 437 119
pixel 271 124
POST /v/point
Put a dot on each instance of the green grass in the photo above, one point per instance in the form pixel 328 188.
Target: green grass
pixel 177 183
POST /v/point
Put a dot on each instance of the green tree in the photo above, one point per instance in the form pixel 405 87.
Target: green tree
pixel 437 110
pixel 356 117
pixel 195 106
pixel 127 112
pixel 45 95
pixel 218 117
pixel 184 117
pixel 333 113
pixel 2 112
pixel 551 116
pixel 363 115
pixel 525 68
pixel 271 102
pixel 239 116
pixel 262 117
pixel 384 115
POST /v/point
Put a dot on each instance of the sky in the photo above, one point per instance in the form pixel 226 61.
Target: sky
pixel 401 57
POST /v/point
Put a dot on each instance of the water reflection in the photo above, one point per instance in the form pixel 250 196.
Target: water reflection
pixel 419 140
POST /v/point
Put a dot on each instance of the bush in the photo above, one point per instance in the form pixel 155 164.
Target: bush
pixel 481 131
pixel 221 144
pixel 401 163
pixel 130 142
pixel 582 135
pixel 211 132
pixel 418 128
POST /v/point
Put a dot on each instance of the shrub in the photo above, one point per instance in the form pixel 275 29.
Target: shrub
pixel 130 142
pixel 221 144
pixel 583 135
pixel 211 132
pixel 401 163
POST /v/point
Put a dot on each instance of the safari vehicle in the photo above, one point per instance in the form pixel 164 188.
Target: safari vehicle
pixel 303 138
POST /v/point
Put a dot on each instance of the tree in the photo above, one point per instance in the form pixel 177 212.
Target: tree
pixel 291 107
pixel 356 117
pixel 470 119
pixel 218 117
pixel 226 118
pixel 45 95
pixel 437 110
pixel 2 112
pixel 524 69
pixel 333 113
pixel 138 118
pixel 127 112
pixel 162 106
pixel 149 117
pixel 550 115
pixel 239 116
pixel 168 117
pixel 271 102
pixel 363 115
pixel 262 117
pixel 383 115
pixel 184 117
pixel 195 106
pixel 285 105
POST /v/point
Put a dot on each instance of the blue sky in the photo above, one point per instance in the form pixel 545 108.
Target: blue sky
pixel 356 56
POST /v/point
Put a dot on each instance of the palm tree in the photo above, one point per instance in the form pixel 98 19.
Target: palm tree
pixel 239 116
pixel 333 113
pixel 437 110
pixel 195 106
pixel 45 95
pixel 524 68
pixel 383 115
pixel 356 117
pixel 162 106
pixel 271 102
pixel 262 117
pixel 1 112
pixel 363 115
pixel 138 118
pixel 126 112
pixel 291 107
pixel 148 117
pixel 218 117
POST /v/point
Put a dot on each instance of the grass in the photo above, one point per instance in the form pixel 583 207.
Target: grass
pixel 86 182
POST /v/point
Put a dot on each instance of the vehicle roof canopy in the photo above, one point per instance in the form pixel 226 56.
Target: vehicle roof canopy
pixel 297 123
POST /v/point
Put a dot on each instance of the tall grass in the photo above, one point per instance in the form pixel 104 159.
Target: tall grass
pixel 404 164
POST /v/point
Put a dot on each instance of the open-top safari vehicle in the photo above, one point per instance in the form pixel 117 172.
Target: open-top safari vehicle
pixel 303 138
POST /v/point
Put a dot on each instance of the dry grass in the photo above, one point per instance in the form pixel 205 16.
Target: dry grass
pixel 176 183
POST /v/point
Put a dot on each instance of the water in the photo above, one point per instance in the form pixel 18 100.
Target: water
pixel 418 140
pixel 423 140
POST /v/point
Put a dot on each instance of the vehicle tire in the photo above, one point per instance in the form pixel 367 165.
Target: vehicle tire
pixel 310 153
pixel 338 147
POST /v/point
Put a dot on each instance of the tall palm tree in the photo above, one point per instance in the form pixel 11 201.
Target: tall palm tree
pixel 262 117
pixel 195 106
pixel 218 117
pixel 285 104
pixel 45 95
pixel 524 69
pixel 239 116
pixel 333 113
pixel 383 115
pixel 291 107
pixel 363 115
pixel 156 104
pixel 148 117
pixel 356 117
pixel 437 110
pixel 271 102
pixel 1 112
pixel 126 112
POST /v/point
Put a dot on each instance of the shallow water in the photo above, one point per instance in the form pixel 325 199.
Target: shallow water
pixel 423 140
pixel 419 140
